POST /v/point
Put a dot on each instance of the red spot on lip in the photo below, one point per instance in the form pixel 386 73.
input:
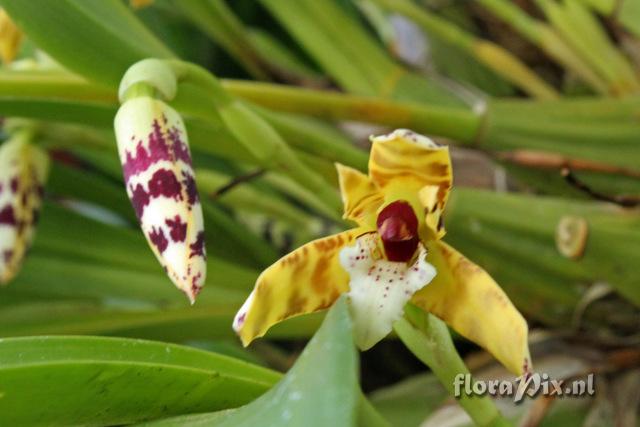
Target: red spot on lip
pixel 398 229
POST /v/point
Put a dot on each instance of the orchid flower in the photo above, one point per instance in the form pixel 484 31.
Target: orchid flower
pixel 23 172
pixel 158 174
pixel 393 256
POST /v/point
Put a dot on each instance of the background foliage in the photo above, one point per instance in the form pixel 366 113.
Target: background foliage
pixel 523 91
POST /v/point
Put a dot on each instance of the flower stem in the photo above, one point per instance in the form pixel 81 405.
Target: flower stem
pixel 428 338
pixel 452 122
pixel 256 134
pixel 368 415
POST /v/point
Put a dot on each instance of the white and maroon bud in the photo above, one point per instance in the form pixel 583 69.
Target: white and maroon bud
pixel 160 182
pixel 23 172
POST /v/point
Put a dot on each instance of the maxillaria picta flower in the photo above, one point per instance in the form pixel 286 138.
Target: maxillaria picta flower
pixel 23 172
pixel 395 255
pixel 158 174
pixel 10 38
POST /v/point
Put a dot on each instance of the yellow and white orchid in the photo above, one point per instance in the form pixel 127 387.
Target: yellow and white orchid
pixel 393 256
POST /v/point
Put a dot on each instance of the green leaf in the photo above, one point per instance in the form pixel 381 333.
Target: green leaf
pixel 99 39
pixel 320 390
pixel 74 183
pixel 60 381
pixel 409 402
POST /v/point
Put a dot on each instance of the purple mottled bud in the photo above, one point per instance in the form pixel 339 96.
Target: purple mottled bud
pixel 23 171
pixel 158 174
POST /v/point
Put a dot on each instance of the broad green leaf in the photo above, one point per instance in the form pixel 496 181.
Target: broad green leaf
pixel 84 277
pixel 98 39
pixel 81 184
pixel 409 402
pixel 74 238
pixel 65 111
pixel 61 381
pixel 28 313
pixel 320 390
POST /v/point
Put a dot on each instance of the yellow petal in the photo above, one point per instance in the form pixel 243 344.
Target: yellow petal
pixel 433 198
pixel 409 166
pixel 306 280
pixel 470 301
pixel 360 196
pixel 10 38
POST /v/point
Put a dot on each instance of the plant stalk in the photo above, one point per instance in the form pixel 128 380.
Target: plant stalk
pixel 428 338
pixel 267 146
pixel 547 39
pixel 456 123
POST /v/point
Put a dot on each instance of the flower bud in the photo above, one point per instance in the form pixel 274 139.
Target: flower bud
pixel 160 182
pixel 23 171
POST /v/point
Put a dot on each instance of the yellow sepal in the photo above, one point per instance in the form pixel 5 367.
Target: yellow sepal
pixel 469 300
pixel 306 280
pixel 10 38
pixel 360 196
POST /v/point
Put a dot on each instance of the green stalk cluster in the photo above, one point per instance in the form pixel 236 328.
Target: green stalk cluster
pixel 490 54
pixel 626 12
pixel 345 51
pixel 582 31
pixel 541 281
pixel 214 18
pixel 258 136
pixel 546 38
pixel 601 132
